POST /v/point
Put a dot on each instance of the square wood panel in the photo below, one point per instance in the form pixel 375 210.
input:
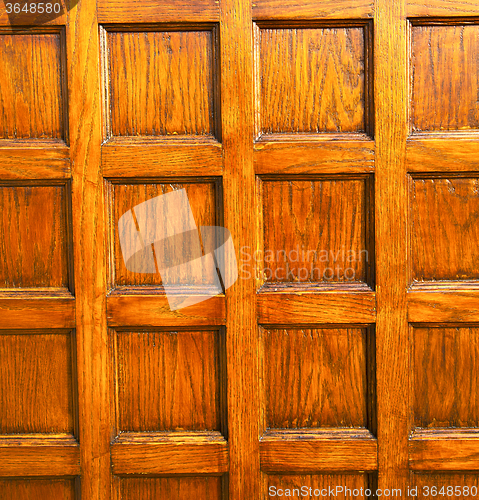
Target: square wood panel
pixel 37 374
pixel 33 89
pixel 162 82
pixel 445 77
pixel 36 243
pixel 317 377
pixel 313 79
pixel 169 380
pixel 37 489
pixel 444 229
pixel 317 230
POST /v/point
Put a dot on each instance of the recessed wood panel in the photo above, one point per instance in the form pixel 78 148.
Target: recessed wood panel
pixel 35 243
pixel 162 83
pixel 169 380
pixel 445 78
pixel 318 485
pixel 311 80
pixel 446 377
pixel 171 488
pixel 315 377
pixel 444 229
pixel 31 94
pixel 204 201
pixel 37 383
pixel 37 489
pixel 316 230
pixel 450 485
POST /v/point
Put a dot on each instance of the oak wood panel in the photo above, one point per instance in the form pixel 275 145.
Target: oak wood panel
pixel 446 305
pixel 315 308
pixel 34 163
pixel 154 310
pixel 37 489
pixel 311 79
pixel 160 159
pixel 446 450
pixel 442 8
pixel 38 455
pixel 445 387
pixel 443 479
pixel 443 155
pixel 34 251
pixel 328 157
pixel 174 488
pixel 304 387
pixel 444 215
pixel 145 99
pixel 316 230
pixel 170 453
pixel 309 9
pixel 154 11
pixel 169 380
pixel 32 92
pixel 203 198
pixel 23 312
pixel 37 379
pixel 294 451
pixel 445 77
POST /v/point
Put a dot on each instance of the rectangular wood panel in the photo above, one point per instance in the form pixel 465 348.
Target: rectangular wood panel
pixel 161 83
pixel 169 380
pixel 310 9
pixel 462 485
pixel 38 489
pixel 37 371
pixel 32 94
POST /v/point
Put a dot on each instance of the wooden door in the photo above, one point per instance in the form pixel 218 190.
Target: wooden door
pixel 338 142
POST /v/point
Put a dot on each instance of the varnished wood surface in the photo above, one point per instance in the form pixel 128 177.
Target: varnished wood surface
pixel 442 8
pixel 444 479
pixel 295 9
pixel 38 489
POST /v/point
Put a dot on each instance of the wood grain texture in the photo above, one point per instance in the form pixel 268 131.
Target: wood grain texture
pixel 391 91
pixel 444 450
pixel 316 230
pixel 203 198
pixel 168 380
pixel 444 215
pixel 170 453
pixel 316 308
pixel 335 450
pixel 309 9
pixel 445 387
pixel 154 11
pixel 37 455
pixel 37 379
pixel 445 77
pixel 443 155
pixel 304 387
pixel 161 160
pixel 311 80
pixel 32 93
pixel 442 8
pixel 37 489
pixel 174 488
pixel 328 157
pixel 161 83
pixel 445 479
pixel 34 250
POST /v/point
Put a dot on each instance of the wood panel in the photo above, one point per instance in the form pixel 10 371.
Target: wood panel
pixel 147 100
pixel 445 386
pixel 37 380
pixel 464 482
pixel 444 214
pixel 316 230
pixel 442 8
pixel 311 80
pixel 203 198
pixel 304 387
pixel 169 380
pixel 37 489
pixel 445 77
pixel 34 250
pixel 32 93
pixel 174 488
